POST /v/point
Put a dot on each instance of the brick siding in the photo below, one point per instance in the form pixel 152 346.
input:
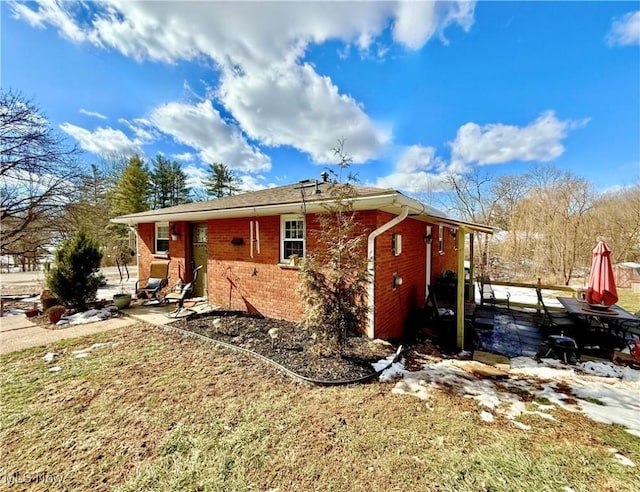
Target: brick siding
pixel 259 284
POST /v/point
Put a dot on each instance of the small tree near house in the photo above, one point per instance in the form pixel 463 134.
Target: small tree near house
pixel 72 277
pixel 333 277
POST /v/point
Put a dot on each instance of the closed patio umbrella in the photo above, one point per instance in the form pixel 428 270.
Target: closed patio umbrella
pixel 602 287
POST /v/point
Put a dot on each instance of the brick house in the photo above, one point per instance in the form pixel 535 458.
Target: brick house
pixel 245 244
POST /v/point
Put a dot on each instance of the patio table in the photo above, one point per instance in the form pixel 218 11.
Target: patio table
pixel 581 308
pixel 614 318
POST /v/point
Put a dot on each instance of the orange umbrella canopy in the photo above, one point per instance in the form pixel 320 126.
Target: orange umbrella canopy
pixel 602 286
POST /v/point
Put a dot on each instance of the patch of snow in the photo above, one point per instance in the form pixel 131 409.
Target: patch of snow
pixel 55 369
pixel 606 369
pixel 48 357
pixel 486 416
pixel 413 387
pixel 89 316
pixel 13 312
pixel 601 391
pixel 78 354
pixel 623 460
pixel 568 489
pixel 520 425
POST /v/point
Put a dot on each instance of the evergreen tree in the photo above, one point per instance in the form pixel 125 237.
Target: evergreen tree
pixel 72 278
pixel 221 181
pixel 168 183
pixel 131 193
pixel 333 276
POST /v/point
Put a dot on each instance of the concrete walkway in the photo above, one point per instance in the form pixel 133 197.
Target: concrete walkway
pixel 19 332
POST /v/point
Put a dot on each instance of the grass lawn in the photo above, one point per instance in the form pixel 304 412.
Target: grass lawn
pixel 158 411
pixel 629 300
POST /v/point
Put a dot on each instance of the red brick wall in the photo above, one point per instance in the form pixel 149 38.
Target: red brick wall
pixel 237 281
pixel 393 305
pixel 446 261
pixel 146 247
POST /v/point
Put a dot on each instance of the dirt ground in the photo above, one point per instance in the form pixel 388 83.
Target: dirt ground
pixel 291 345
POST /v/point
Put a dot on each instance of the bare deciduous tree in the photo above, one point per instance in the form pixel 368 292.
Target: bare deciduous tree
pixel 36 174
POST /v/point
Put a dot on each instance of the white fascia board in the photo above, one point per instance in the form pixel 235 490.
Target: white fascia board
pixel 364 203
pixel 391 203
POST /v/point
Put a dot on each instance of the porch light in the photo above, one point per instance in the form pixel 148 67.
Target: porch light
pixel 175 235
pixel 428 238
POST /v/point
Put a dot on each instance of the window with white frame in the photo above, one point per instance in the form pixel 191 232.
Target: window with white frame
pixel 162 238
pixel 441 240
pixel 292 236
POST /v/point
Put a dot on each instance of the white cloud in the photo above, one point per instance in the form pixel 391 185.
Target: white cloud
pixel 253 183
pixel 185 157
pixel 51 12
pixel 416 182
pixel 416 157
pixel 419 169
pixel 200 126
pixel 625 30
pixel 195 176
pixel 276 98
pixel 93 113
pixel 541 140
pixel 142 129
pixel 102 141
pixel 293 105
pixel 415 23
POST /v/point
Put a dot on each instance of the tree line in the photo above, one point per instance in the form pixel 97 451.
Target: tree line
pixel 46 196
pixel 548 221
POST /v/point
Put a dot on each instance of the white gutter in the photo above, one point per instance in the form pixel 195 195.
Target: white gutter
pixel 427 274
pixel 386 202
pixel 371 256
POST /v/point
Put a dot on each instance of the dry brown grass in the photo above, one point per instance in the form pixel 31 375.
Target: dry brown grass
pixel 158 411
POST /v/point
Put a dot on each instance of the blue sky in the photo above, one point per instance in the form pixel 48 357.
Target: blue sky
pixel 416 90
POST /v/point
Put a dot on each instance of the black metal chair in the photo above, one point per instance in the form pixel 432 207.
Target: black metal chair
pixel 488 296
pixel 186 292
pixel 561 320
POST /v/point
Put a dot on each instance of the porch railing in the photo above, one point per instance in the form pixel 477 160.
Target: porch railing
pixel 571 291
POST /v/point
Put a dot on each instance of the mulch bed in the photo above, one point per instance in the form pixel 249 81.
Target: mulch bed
pixel 295 347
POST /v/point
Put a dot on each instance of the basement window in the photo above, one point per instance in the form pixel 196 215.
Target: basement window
pixel 162 238
pixel 292 235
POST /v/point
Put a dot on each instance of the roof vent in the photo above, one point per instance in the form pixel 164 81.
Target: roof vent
pixel 325 176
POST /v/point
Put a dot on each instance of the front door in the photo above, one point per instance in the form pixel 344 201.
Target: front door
pixel 199 256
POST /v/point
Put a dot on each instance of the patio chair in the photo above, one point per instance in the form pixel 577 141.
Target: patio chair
pixel 554 319
pixel 185 292
pixel 487 294
pixel 149 289
pixel 443 320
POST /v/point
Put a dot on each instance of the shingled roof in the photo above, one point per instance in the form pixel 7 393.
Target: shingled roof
pixel 288 199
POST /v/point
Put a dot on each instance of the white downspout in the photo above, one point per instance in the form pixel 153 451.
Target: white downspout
pixel 427 276
pixel 371 256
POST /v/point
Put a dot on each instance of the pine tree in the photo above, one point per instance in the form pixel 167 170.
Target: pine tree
pixel 221 181
pixel 131 193
pixel 168 183
pixel 72 278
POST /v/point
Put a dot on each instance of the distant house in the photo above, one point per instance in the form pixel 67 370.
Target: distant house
pixel 626 274
pixel 246 242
